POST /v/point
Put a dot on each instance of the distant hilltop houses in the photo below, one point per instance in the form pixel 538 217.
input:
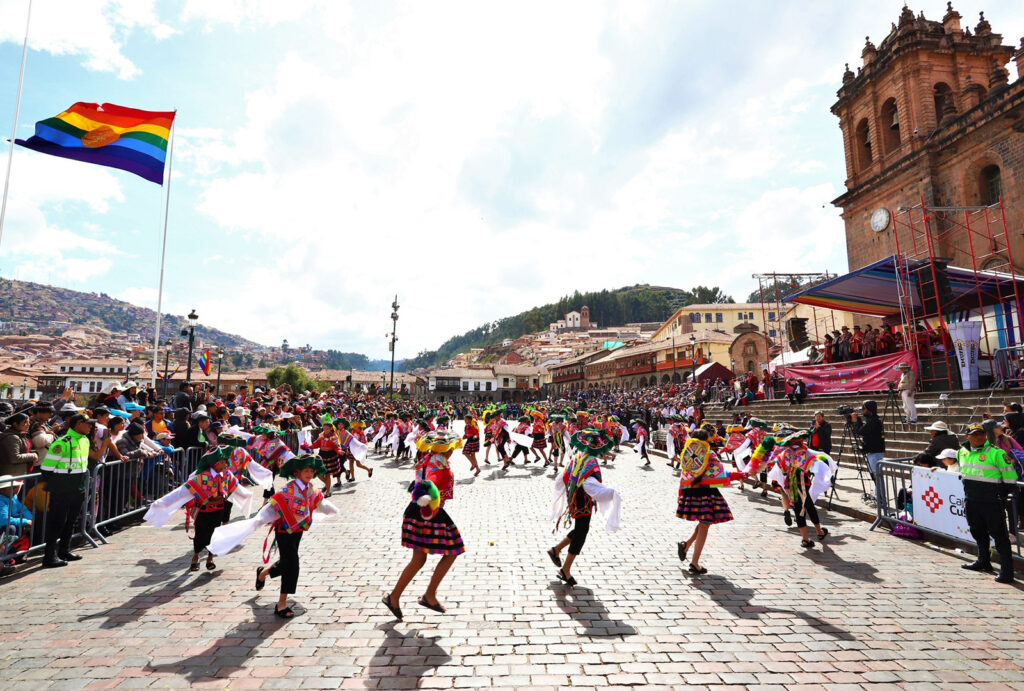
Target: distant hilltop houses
pixel 574 321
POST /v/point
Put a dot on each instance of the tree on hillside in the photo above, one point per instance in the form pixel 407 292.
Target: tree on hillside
pixel 707 295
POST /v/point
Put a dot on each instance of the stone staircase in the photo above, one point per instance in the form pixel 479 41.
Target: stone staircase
pixel 956 408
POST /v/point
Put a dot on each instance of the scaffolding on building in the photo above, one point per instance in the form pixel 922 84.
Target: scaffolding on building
pixel 927 242
pixel 771 288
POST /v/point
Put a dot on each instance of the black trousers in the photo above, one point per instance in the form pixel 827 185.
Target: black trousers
pixel 520 450
pixel 65 508
pixel 987 519
pixel 810 513
pixel 206 523
pixel 578 535
pixel 287 564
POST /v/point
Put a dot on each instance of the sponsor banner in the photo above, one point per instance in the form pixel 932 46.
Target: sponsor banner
pixel 938 497
pixel 966 338
pixel 869 374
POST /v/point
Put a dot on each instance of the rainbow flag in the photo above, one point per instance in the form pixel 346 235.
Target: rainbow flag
pixel 204 362
pixel 107 135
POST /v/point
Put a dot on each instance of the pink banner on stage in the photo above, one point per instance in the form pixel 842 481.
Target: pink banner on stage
pixel 869 374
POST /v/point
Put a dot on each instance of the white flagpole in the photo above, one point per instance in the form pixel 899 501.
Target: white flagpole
pixel 14 125
pixel 163 255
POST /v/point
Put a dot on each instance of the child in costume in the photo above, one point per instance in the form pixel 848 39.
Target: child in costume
pixel 290 513
pixel 556 434
pixel 471 442
pixel 330 452
pixel 267 447
pixel 205 493
pixel 576 492
pixel 522 446
pixel 803 475
pixel 641 442
pixel 352 450
pixel 538 432
pixel 701 474
pixel 426 526
pixel 240 462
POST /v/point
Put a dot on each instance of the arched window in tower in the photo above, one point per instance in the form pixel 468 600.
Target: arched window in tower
pixel 890 126
pixel 862 144
pixel 990 185
pixel 944 104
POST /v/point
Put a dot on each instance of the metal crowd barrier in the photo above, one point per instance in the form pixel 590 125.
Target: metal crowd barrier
pixel 121 489
pixel 1005 371
pixel 893 490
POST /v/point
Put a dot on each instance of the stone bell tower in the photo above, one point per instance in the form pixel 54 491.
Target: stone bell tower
pixel 931 113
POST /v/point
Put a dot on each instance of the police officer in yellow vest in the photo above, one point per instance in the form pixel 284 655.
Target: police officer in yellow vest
pixel 988 477
pixel 65 469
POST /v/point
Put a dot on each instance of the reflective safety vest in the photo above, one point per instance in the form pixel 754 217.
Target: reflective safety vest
pixel 69 454
pixel 987 464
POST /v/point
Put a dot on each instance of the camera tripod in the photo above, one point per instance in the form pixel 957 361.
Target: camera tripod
pixel 893 410
pixel 851 437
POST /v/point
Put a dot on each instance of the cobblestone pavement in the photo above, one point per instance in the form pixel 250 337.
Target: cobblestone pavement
pixel 867 609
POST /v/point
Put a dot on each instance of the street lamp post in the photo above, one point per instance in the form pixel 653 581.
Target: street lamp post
pixel 693 358
pixel 394 328
pixel 167 364
pixel 128 371
pixel 220 359
pixel 24 387
pixel 190 331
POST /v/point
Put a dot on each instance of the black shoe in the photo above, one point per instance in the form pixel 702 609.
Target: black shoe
pixel 978 566
pixel 788 517
pixel 70 556
pixel 53 563
pixel 1005 577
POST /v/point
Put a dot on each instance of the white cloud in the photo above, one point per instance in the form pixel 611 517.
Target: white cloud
pixel 96 31
pixel 37 249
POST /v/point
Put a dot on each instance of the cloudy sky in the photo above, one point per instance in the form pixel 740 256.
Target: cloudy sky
pixel 476 158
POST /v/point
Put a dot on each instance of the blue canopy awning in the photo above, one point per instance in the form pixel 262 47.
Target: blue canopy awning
pixel 874 289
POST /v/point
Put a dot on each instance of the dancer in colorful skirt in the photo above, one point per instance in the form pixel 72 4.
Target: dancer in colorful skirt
pixel 471 442
pixel 205 494
pixel 290 514
pixel 702 474
pixel 577 491
pixel 330 452
pixel 426 526
pixel 557 436
pixel 537 431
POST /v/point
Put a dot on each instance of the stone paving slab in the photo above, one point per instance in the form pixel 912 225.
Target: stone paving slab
pixel 866 610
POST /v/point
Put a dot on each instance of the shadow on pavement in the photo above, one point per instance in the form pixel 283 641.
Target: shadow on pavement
pixel 589 612
pixel 133 609
pixel 830 561
pixel 231 650
pixel 739 603
pixel 412 654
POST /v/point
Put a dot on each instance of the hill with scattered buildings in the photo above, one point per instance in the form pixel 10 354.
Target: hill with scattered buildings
pixel 608 308
pixel 27 307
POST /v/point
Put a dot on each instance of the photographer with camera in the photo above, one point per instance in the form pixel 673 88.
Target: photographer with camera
pixel 65 469
pixel 872 436
pixel 798 390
